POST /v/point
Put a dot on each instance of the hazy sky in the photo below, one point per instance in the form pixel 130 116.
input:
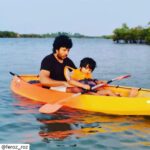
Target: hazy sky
pixel 89 17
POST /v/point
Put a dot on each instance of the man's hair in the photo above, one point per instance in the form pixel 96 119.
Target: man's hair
pixel 62 41
pixel 88 61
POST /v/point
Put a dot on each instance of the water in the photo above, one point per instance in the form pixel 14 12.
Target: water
pixel 70 129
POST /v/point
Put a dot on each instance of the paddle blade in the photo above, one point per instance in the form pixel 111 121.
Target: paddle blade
pixel 122 77
pixel 49 108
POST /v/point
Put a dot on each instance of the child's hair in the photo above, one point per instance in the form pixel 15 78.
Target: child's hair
pixel 88 61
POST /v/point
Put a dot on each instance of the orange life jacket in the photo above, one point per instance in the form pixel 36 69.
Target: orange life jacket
pixel 78 75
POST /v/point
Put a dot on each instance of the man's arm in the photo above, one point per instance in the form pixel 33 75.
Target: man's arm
pixel 47 81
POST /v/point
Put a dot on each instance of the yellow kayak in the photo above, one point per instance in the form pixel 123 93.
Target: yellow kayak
pixel 28 86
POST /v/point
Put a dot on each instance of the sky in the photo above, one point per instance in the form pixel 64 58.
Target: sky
pixel 88 17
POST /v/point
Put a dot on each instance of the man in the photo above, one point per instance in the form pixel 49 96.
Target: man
pixel 52 66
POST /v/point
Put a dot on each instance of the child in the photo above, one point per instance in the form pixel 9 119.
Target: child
pixel 81 79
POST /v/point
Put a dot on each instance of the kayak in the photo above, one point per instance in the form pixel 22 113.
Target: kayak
pixel 29 86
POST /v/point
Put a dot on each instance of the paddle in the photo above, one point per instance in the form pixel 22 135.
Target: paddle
pixel 51 108
pixel 14 74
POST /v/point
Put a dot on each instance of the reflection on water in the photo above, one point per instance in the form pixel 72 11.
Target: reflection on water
pixel 61 126
pixel 77 124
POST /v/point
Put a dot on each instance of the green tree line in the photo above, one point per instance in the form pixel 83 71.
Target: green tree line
pixel 137 34
pixel 11 34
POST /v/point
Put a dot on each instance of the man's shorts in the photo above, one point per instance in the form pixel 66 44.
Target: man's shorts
pixel 59 88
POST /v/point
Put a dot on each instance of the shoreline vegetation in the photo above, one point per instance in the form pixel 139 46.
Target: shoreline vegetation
pixel 124 34
pixel 135 35
pixel 11 34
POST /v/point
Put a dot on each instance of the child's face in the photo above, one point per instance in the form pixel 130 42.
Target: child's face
pixel 86 70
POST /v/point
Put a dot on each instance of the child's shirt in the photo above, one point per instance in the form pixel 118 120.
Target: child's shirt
pixel 78 75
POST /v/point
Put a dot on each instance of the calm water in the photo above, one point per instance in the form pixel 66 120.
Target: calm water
pixel 20 121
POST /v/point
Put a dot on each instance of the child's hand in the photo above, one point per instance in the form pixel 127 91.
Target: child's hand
pixel 86 87
pixel 101 82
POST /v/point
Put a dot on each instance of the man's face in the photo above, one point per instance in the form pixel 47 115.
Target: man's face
pixel 62 53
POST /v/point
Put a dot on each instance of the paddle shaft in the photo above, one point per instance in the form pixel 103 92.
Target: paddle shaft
pixel 108 82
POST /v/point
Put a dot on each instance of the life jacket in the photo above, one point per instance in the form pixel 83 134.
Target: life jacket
pixel 78 75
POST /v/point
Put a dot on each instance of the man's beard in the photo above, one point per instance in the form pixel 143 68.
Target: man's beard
pixel 61 58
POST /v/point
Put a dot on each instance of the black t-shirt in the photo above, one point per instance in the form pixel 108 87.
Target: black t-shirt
pixel 50 63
